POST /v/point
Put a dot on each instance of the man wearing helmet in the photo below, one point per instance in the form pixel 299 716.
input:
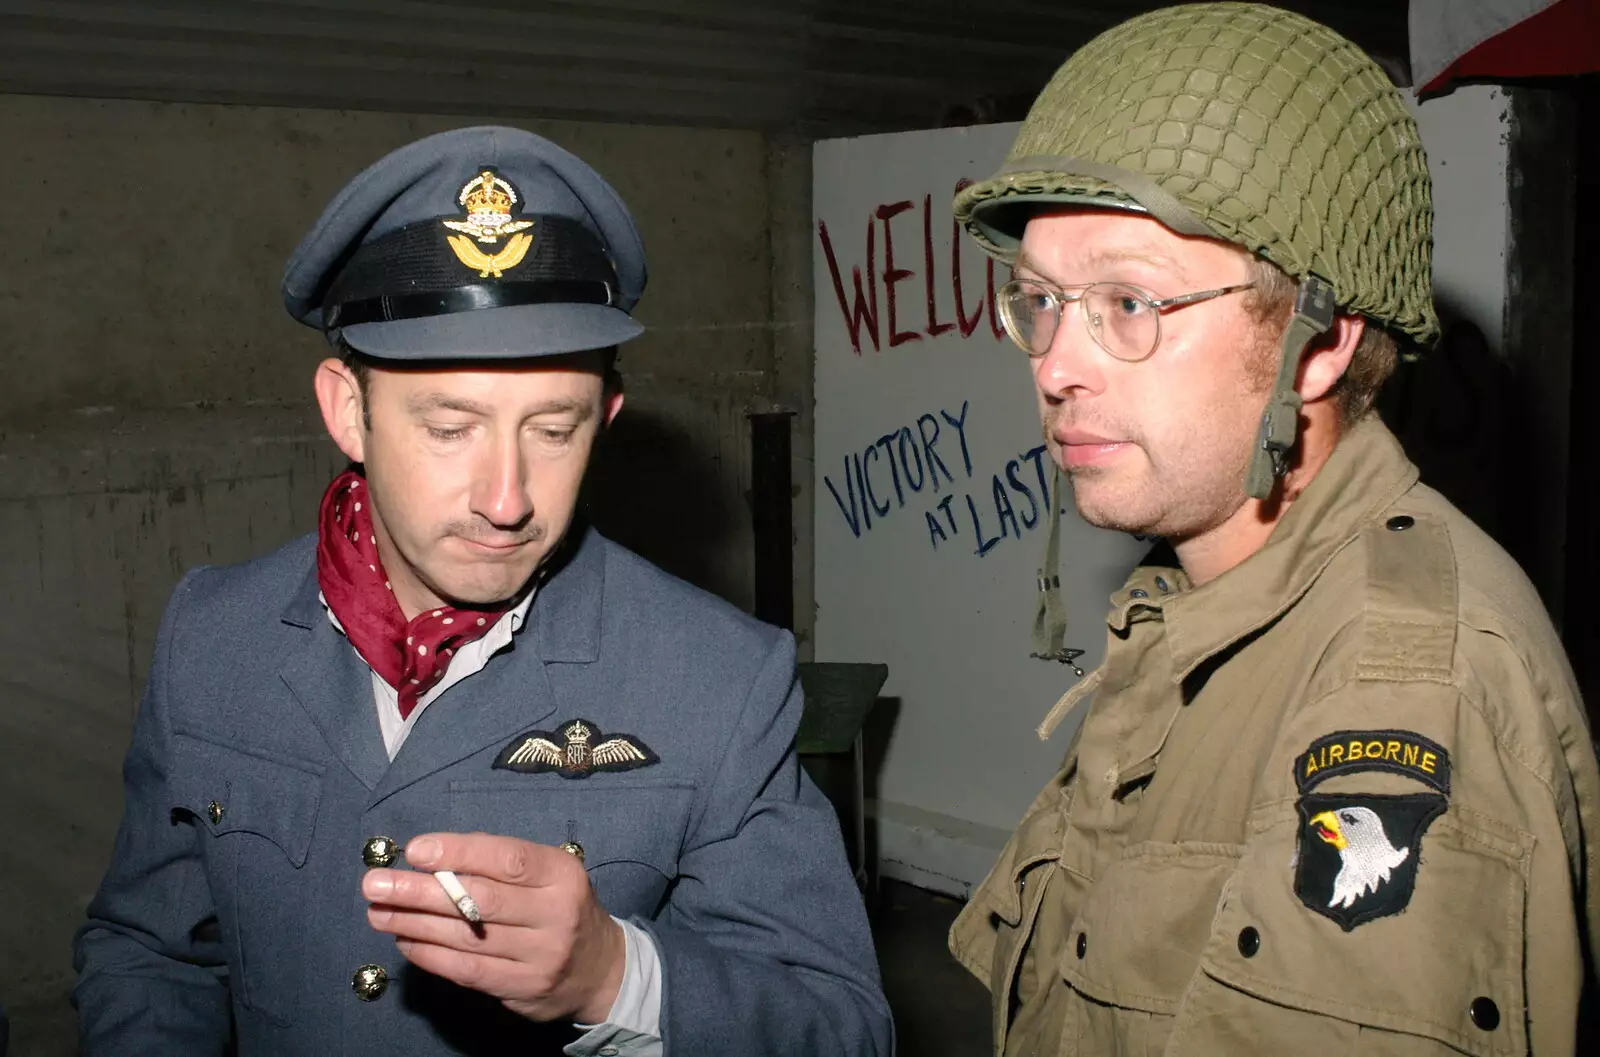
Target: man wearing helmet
pixel 1333 786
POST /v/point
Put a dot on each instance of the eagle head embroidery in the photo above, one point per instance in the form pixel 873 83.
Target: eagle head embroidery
pixel 1359 853
pixel 1364 850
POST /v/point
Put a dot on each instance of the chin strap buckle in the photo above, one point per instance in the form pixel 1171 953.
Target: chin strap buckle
pixel 1314 308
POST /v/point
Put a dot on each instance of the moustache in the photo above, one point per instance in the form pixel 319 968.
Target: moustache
pixel 1059 420
pixel 489 536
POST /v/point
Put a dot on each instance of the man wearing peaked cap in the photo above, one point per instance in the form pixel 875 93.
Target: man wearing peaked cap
pixel 1332 789
pixel 455 774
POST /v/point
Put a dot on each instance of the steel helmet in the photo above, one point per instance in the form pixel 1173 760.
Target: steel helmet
pixel 1240 122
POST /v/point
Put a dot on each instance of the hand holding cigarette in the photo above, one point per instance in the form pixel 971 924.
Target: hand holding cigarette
pixel 458 895
pixel 512 919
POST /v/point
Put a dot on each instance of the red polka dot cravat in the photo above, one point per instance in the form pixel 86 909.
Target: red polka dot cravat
pixel 410 656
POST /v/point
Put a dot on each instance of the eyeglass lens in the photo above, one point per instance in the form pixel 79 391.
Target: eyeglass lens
pixel 1119 318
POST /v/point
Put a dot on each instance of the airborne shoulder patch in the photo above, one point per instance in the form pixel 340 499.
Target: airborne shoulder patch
pixel 1397 751
pixel 1358 853
pixel 579 750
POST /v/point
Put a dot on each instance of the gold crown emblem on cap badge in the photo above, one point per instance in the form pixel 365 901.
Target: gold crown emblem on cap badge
pixel 488 200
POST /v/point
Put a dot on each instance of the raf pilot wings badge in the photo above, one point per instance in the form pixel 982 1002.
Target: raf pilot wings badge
pixel 577 752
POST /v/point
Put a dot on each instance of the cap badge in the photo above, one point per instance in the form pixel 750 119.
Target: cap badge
pixel 489 200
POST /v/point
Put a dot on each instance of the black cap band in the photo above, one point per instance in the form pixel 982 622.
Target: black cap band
pixel 389 307
pixel 430 268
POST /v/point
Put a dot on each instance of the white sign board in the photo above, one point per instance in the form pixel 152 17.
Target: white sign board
pixel 931 518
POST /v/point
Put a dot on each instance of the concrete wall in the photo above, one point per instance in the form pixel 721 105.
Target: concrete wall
pixel 156 413
pixel 793 349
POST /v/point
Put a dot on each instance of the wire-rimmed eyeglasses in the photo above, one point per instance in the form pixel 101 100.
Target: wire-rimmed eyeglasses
pixel 1123 320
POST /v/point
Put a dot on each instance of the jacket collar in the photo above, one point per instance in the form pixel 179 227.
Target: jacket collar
pixel 565 616
pixel 565 620
pixel 1367 472
pixel 333 684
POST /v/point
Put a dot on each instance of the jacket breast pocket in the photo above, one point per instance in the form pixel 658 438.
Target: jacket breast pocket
pixel 1133 947
pixel 258 812
pixel 631 832
pixel 991 932
pixel 1414 981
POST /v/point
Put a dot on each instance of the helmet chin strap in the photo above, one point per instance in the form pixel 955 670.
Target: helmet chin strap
pixel 1050 619
pixel 1280 424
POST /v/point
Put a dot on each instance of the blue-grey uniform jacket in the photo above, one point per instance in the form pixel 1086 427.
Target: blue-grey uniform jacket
pixel 257 773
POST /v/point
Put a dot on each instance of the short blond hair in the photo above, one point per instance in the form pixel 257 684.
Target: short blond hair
pixel 1372 364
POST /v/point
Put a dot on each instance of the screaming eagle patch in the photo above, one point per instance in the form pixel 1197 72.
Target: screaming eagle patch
pixel 1358 853
pixel 577 751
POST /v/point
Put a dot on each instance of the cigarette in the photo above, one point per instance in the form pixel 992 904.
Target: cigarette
pixel 458 895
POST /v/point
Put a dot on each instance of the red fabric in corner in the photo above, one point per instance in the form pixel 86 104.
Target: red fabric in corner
pixel 1561 40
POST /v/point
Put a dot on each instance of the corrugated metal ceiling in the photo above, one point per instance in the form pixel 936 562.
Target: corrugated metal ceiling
pixel 812 67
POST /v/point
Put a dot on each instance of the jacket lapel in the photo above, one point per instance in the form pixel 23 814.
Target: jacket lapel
pixel 334 685
pixel 513 694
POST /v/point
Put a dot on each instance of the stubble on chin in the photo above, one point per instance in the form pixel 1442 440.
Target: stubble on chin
pixel 1095 497
pixel 1107 516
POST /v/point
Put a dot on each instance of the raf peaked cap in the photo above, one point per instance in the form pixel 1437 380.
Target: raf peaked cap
pixel 481 243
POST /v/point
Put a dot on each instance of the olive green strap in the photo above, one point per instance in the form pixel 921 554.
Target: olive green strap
pixel 1050 621
pixel 1143 190
pixel 1280 424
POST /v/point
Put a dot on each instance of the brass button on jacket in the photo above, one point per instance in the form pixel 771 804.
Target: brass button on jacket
pixel 379 851
pixel 215 810
pixel 370 982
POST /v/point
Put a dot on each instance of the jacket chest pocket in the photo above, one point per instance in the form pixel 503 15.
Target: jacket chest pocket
pixel 991 932
pixel 1135 944
pixel 631 832
pixel 257 813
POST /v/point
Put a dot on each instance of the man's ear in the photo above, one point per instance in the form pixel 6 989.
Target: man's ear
pixel 1326 361
pixel 343 409
pixel 610 400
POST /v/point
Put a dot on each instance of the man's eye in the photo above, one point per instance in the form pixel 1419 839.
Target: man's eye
pixel 555 436
pixel 447 432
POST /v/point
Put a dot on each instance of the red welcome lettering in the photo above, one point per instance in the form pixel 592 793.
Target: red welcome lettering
pixel 934 327
pixel 864 315
pixel 967 325
pixel 893 275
